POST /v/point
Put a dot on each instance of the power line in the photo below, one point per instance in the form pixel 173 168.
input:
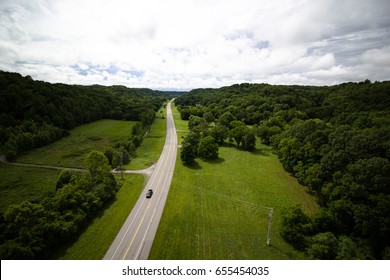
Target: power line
pixel 246 203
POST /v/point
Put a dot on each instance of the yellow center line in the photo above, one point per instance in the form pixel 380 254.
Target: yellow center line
pixel 135 234
pixel 162 164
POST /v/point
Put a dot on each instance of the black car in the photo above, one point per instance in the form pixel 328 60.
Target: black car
pixel 149 193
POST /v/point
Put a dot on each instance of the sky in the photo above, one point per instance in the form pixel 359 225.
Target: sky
pixel 187 44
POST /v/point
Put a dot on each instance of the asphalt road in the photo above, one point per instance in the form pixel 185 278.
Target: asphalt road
pixel 136 236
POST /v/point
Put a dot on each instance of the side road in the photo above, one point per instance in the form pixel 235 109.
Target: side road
pixel 147 171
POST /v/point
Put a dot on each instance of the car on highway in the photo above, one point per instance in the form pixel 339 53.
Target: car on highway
pixel 149 193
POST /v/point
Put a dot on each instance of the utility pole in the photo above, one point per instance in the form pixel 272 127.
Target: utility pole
pixel 271 210
pixel 121 163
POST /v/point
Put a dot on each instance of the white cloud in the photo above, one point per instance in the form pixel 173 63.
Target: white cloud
pixel 183 44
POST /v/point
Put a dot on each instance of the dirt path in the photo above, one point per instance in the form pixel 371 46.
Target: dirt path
pixel 147 171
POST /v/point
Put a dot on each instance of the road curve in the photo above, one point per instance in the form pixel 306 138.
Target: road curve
pixel 136 236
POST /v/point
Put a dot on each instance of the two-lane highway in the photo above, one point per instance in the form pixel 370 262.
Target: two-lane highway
pixel 136 236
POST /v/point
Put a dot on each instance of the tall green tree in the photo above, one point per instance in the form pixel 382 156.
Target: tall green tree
pixel 323 246
pixel 238 134
pixel 98 166
pixel 208 148
pixel 188 153
pixel 220 133
pixel 249 140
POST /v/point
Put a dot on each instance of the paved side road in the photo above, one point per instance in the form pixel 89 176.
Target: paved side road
pixel 3 160
pixel 136 236
pixel 147 171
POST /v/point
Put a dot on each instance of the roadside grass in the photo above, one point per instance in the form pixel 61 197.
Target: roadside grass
pixel 70 151
pixel 219 209
pixel 180 125
pixel 94 241
pixel 18 184
pixel 151 147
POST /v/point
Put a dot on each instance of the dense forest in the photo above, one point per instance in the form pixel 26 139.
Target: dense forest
pixel 334 139
pixel 35 113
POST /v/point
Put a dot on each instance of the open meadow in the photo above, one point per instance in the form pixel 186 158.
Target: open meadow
pixel 219 209
pixel 71 150
pixel 18 184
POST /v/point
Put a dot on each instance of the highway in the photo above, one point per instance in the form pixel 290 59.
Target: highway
pixel 136 236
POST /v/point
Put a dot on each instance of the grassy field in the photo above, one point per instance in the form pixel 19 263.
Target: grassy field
pixel 70 151
pixel 219 209
pixel 93 243
pixel 181 126
pixel 22 183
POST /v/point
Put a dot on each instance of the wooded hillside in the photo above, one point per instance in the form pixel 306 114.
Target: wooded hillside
pixel 35 113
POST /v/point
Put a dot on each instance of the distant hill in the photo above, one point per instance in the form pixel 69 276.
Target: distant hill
pixel 175 93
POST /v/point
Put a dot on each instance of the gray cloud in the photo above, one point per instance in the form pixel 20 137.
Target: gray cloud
pixel 187 44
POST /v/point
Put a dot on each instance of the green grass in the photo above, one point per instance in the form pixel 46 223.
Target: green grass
pixel 70 151
pixel 218 209
pixel 149 151
pixel 93 243
pixel 181 126
pixel 23 183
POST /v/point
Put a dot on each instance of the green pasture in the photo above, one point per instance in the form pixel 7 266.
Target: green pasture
pixel 181 126
pixel 94 241
pixel 71 150
pixel 219 209
pixel 18 184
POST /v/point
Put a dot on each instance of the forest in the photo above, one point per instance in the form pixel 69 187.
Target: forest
pixel 334 139
pixel 34 114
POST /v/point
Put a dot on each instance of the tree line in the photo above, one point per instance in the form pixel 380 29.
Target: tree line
pixel 34 230
pixel 35 113
pixel 336 141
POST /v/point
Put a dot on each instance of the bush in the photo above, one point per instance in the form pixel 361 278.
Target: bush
pixel 296 226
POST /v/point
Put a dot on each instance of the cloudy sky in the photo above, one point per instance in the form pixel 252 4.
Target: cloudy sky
pixel 185 44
